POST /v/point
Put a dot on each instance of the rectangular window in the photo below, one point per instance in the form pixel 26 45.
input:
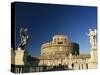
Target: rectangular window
pixel 60 42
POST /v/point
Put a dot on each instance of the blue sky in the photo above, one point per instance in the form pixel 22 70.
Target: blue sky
pixel 43 21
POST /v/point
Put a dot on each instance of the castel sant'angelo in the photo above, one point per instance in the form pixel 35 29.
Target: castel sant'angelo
pixel 60 51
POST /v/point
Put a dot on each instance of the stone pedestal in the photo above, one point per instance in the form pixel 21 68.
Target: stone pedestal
pixel 92 63
pixel 19 55
pixel 93 54
pixel 17 60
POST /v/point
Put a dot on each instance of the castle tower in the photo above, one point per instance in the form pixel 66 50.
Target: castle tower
pixel 58 49
pixel 60 39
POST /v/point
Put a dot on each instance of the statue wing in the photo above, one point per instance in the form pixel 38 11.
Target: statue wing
pixel 87 34
pixel 21 31
pixel 26 32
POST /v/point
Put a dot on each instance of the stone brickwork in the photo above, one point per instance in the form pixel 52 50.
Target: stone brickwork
pixel 61 51
pixel 60 43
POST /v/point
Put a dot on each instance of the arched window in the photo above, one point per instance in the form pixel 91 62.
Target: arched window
pixel 60 42
pixel 54 40
pixel 58 38
pixel 65 40
pixel 79 66
pixel 86 66
pixel 72 66
pixel 82 66
pixel 61 38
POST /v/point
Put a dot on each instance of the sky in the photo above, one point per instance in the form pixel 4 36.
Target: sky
pixel 43 21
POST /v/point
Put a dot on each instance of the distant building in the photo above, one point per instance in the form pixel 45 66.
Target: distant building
pixel 60 51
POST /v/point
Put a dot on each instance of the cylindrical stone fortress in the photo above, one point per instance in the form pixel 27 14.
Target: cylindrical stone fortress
pixel 60 44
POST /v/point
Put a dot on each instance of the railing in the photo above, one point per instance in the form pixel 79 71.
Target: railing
pixel 30 69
